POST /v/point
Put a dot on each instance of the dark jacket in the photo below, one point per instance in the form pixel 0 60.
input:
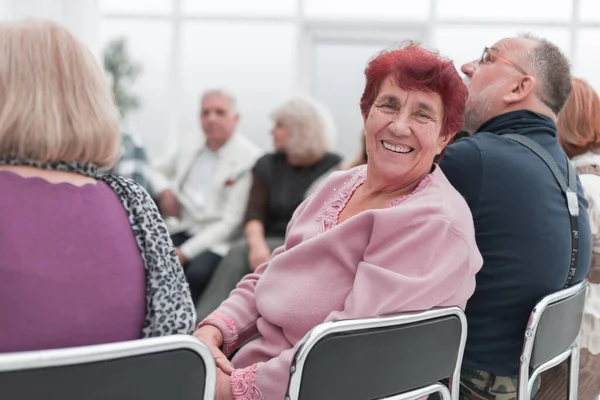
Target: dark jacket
pixel 522 230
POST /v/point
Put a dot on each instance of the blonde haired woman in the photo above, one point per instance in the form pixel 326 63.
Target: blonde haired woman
pixel 302 135
pixel 86 258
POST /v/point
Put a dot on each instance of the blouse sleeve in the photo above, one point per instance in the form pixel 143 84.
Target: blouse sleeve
pixel 257 202
pixel 431 265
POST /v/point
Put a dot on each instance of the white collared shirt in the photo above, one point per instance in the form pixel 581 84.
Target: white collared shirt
pixel 199 178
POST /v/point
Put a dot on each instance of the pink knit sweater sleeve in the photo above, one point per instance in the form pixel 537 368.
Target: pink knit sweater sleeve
pixel 236 317
pixel 430 265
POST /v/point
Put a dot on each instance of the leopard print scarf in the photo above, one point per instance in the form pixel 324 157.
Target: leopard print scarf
pixel 169 306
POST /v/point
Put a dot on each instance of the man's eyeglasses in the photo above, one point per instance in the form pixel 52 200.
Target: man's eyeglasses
pixel 490 56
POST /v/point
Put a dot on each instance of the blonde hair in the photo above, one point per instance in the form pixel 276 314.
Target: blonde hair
pixel 55 104
pixel 312 129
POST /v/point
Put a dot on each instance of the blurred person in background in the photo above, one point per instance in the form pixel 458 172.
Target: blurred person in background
pixel 361 245
pixel 85 256
pixel 303 133
pixel 579 135
pixel 203 189
pixel 133 163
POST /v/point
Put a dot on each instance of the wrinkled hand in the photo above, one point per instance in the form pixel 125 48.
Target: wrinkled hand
pixel 223 389
pixel 212 338
pixel 168 204
pixel 223 363
pixel 258 255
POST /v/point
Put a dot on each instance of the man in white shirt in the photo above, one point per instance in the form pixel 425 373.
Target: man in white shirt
pixel 203 189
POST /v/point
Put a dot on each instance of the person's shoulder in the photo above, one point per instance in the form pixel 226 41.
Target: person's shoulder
pixel 462 161
pixel 269 157
pixel 242 151
pixel 435 199
pixel 332 158
pixel 467 146
pixel 486 143
pixel 127 189
pixel 590 183
pixel 348 174
pixel 338 180
pixel 268 161
pixel 189 145
pixel 438 196
pixel 245 145
pixel 330 191
pixel 452 205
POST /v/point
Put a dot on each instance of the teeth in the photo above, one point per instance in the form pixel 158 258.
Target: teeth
pixel 397 149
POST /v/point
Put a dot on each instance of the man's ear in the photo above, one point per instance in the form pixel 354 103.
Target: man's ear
pixel 521 90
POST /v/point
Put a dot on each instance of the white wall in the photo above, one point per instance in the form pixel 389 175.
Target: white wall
pixel 267 50
pixel 82 17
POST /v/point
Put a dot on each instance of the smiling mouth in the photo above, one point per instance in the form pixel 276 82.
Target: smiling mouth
pixel 397 149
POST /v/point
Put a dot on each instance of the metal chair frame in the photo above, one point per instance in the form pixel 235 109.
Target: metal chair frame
pixel 527 374
pixel 11 362
pixel 347 326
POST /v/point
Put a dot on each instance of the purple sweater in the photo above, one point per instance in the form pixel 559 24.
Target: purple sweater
pixel 417 254
pixel 71 273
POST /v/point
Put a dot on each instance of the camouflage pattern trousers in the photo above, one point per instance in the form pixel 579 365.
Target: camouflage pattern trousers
pixel 481 385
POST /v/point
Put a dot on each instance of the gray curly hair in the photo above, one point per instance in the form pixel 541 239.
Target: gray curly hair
pixel 312 129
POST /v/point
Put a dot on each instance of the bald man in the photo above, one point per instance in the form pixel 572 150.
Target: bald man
pixel 522 223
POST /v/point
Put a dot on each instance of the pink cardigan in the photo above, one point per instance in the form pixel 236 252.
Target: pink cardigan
pixel 417 254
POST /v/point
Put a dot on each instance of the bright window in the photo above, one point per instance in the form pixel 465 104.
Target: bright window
pixel 509 10
pixel 267 8
pixel 368 9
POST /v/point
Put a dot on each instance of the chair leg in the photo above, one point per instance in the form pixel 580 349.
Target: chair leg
pixel 573 378
pixel 453 385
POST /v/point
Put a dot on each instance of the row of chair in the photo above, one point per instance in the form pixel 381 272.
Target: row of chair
pixel 398 357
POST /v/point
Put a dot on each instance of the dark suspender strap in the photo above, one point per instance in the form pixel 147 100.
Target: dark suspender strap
pixel 568 188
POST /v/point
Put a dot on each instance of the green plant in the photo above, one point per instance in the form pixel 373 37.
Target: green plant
pixel 123 72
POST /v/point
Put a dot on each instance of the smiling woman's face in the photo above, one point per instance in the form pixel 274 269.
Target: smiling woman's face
pixel 403 133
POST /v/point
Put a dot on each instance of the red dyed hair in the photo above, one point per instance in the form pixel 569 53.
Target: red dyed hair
pixel 418 69
pixel 579 122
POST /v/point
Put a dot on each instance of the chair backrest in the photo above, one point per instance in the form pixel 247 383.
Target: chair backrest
pixel 171 367
pixel 379 357
pixel 551 337
pixel 558 324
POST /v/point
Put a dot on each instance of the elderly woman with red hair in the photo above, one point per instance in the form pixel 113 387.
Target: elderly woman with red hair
pixel 388 237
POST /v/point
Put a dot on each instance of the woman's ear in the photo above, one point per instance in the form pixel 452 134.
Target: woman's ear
pixel 443 141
